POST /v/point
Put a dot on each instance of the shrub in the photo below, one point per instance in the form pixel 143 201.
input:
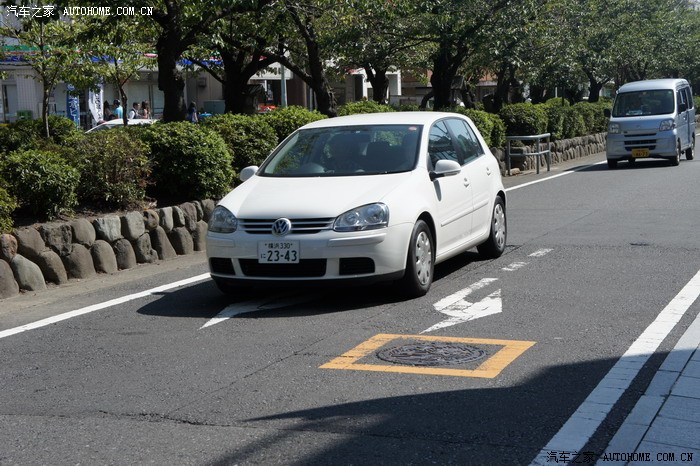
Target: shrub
pixel 574 124
pixel 524 119
pixel 408 108
pixel 115 168
pixel 189 161
pixel 287 119
pixel 589 112
pixel 249 137
pixel 557 102
pixel 8 204
pixel 43 182
pixel 62 130
pixel 363 106
pixel 30 134
pixel 555 120
pixel 18 136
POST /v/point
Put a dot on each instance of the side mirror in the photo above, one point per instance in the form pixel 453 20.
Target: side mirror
pixel 607 112
pixel 445 168
pixel 248 172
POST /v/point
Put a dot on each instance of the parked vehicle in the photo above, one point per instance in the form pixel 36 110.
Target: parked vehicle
pixel 654 118
pixel 361 198
pixel 119 122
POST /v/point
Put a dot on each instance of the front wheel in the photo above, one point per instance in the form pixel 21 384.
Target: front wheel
pixel 690 151
pixel 420 262
pixel 676 160
pixel 496 243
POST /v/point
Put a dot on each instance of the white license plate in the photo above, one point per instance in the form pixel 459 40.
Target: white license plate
pixel 278 252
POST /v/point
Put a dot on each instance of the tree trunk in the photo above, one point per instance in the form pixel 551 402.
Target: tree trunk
pixel 594 90
pixel 170 81
pixel 380 83
pixel 445 68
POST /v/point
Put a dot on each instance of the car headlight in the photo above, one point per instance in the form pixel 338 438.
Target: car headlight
pixel 366 217
pixel 667 125
pixel 614 128
pixel 222 221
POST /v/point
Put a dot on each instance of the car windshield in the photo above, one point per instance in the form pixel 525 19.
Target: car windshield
pixel 346 150
pixel 655 102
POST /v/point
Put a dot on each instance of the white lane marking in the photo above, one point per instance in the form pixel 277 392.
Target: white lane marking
pixel 100 306
pixel 461 310
pixel 514 266
pixel 513 188
pixel 581 426
pixel 541 252
pixel 253 306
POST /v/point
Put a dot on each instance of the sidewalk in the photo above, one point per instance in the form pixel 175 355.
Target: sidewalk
pixel 664 425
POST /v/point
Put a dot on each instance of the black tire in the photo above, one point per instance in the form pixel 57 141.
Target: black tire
pixel 690 151
pixel 494 246
pixel 675 161
pixel 612 164
pixel 420 262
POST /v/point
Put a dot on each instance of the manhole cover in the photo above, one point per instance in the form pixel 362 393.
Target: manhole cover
pixel 432 354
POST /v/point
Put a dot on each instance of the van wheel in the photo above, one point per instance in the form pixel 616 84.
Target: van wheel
pixel 690 151
pixel 420 262
pixel 675 161
pixel 612 164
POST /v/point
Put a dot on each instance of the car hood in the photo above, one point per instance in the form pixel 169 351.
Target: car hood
pixel 266 197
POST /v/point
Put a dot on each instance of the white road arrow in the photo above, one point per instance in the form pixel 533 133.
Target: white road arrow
pixel 461 310
pixel 253 306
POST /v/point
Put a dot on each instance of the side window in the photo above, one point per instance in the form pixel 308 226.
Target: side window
pixel 680 98
pixel 689 97
pixel 440 145
pixel 467 142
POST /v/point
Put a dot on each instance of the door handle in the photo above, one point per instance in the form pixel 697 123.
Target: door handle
pixel 466 183
pixel 488 171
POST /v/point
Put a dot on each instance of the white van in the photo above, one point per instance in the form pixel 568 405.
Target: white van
pixel 654 118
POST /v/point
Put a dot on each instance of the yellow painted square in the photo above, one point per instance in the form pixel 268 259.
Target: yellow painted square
pixel 488 369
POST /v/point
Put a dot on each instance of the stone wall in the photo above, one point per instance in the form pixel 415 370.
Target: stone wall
pixel 562 150
pixel 55 252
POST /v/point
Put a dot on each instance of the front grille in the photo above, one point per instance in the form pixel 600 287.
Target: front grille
pixel 221 265
pixel 306 268
pixel 640 144
pixel 300 226
pixel 356 266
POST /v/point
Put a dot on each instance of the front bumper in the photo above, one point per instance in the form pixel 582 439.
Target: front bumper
pixel 323 256
pixel 659 145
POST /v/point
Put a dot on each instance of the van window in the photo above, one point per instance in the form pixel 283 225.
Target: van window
pixel 681 99
pixel 654 102
pixel 689 97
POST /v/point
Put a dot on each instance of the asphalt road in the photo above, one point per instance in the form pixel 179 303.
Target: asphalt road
pixel 594 255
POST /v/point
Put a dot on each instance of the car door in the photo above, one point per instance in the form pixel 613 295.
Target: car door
pixel 682 123
pixel 691 114
pixel 453 193
pixel 477 170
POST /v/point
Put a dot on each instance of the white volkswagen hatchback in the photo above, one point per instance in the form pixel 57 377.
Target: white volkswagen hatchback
pixel 361 198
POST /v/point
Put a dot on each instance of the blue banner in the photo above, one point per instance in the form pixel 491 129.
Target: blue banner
pixel 72 105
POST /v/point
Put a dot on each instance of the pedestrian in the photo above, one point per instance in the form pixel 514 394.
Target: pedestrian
pixel 134 112
pixel 192 115
pixel 118 110
pixel 145 110
pixel 107 113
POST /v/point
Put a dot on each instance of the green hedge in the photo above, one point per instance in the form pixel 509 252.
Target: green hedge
pixel 43 182
pixel 249 137
pixel 115 168
pixel 363 106
pixel 524 119
pixel 8 204
pixel 287 119
pixel 189 161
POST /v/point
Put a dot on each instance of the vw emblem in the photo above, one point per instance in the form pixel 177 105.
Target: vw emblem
pixel 281 227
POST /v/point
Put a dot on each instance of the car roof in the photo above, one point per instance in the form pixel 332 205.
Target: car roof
pixel 652 84
pixel 386 118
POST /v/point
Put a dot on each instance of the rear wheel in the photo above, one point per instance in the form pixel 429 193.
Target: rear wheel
pixel 420 262
pixel 496 243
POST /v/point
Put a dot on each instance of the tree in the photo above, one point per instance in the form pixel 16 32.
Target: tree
pixel 53 55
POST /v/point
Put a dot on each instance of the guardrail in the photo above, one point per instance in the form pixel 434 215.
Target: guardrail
pixel 539 142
